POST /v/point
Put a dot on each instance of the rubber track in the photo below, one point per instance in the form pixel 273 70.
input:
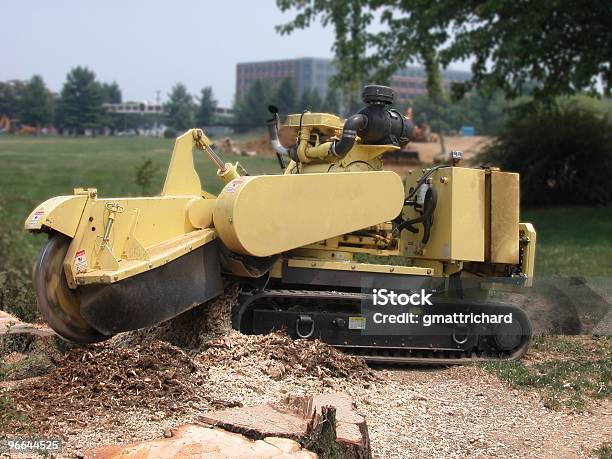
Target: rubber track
pixel 388 355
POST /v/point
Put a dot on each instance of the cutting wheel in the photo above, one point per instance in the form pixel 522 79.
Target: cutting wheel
pixel 58 304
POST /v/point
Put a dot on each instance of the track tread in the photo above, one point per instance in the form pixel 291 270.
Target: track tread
pixel 389 355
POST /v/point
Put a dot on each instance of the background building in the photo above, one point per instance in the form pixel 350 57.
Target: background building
pixel 314 74
pixel 135 107
pixel 306 72
pixel 411 81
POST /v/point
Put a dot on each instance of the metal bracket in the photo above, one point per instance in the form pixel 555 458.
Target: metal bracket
pixel 306 320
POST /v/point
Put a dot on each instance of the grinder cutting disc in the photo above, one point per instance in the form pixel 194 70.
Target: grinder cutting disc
pixel 58 304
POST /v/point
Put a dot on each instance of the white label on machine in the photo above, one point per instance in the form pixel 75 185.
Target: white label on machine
pixel 80 261
pixel 357 323
pixel 234 185
pixel 38 215
pixel 446 250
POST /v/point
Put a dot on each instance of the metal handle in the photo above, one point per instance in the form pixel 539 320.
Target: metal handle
pixel 460 341
pixel 307 320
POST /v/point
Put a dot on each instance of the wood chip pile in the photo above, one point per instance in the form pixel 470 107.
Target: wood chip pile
pixel 173 370
pixel 157 376
pixel 282 356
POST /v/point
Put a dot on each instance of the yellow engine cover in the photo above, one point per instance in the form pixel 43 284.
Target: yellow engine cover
pixel 268 215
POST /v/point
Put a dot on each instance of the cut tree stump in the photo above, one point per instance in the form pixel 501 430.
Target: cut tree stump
pixel 196 441
pixel 326 423
pixel 10 325
pixel 27 350
pixel 324 426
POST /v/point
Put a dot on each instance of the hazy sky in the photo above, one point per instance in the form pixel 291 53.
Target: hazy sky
pixel 147 45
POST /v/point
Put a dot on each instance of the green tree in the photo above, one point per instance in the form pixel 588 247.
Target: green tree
pixel 10 93
pixel 350 20
pixel 252 109
pixel 490 109
pixel 80 104
pixel 331 103
pixel 483 112
pixel 434 86
pixel 35 103
pixel 316 104
pixel 305 101
pixel 112 93
pixel 562 47
pixel 179 109
pixel 116 121
pixel 285 97
pixel 513 45
pixel 206 109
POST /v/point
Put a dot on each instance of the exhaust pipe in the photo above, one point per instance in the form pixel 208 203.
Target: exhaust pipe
pixel 272 124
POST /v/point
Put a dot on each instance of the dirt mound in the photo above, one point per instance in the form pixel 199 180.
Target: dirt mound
pixel 278 356
pixel 156 376
pixel 260 146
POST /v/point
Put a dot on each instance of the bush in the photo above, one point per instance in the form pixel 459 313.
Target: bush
pixel 170 133
pixel 16 261
pixel 144 175
pixel 562 151
pixel 16 292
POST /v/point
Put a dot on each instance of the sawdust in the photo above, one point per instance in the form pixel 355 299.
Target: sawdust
pixel 279 356
pixel 467 412
pixel 192 329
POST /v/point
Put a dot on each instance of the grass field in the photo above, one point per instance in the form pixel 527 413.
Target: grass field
pixel 571 241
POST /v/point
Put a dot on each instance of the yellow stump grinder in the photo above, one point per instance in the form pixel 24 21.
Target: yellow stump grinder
pixel 326 249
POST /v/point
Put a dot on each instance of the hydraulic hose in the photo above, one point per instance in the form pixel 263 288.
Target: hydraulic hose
pixel 355 123
pixel 426 218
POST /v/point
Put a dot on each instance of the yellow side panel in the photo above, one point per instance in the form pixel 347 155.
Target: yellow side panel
pixel 468 208
pixel 61 213
pixel 458 229
pixel 158 255
pixel 150 221
pixel 182 178
pixel 503 216
pixel 267 215
pixel 528 231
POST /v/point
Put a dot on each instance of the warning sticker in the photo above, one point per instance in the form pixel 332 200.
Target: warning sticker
pixel 357 323
pixel 80 261
pixel 232 186
pixel 36 218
